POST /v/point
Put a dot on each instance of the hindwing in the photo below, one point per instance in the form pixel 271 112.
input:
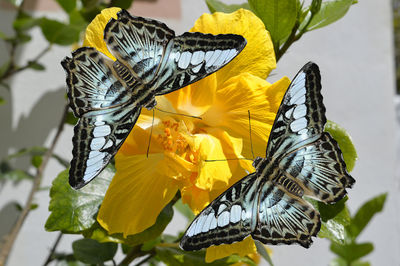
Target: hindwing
pixel 226 219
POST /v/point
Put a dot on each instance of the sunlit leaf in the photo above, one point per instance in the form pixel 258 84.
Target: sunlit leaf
pixel 365 214
pixel 184 209
pixel 73 211
pixel 68 5
pixel 278 16
pixel 71 119
pixel 218 6
pixel 59 33
pixel 345 143
pixel 92 252
pixel 330 12
pixel 36 160
pixel 353 251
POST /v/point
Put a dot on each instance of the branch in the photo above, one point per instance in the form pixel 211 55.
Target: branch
pixel 53 249
pixel 10 238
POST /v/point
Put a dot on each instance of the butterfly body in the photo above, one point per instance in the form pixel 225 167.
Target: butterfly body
pixel 107 96
pixel 301 160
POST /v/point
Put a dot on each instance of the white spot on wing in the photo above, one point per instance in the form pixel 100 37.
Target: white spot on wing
pixel 300 111
pixel 208 55
pixel 213 58
pixel 298 124
pixel 184 60
pixel 101 131
pixel 223 219
pixel 235 213
pixel 199 226
pixel 197 57
pixel 97 143
pixel 213 224
pixel 221 208
pixel 197 68
pixel 208 222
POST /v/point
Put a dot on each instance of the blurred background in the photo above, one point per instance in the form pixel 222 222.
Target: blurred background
pixel 356 57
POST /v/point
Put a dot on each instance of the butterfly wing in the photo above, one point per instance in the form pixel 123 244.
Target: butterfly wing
pixel 226 219
pixel 150 50
pixel 138 43
pixel 193 56
pixel 284 217
pixel 106 116
pixel 298 141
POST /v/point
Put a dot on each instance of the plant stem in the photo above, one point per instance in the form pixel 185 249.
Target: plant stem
pixel 135 252
pixel 53 249
pixel 10 238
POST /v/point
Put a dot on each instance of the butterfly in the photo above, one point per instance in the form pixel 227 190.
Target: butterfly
pixel 301 160
pixel 107 96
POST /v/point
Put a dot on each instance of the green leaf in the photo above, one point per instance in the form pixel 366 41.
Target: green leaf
pixel 278 16
pixel 315 6
pixel 92 252
pixel 36 66
pixel 59 33
pixel 345 143
pixel 353 251
pixel 218 6
pixel 36 160
pixel 335 229
pixel 73 211
pixel 263 252
pixel 76 20
pixel 365 214
pixel 4 68
pixel 3 36
pixel 163 219
pixel 22 24
pixel 71 119
pixel 23 38
pixel 67 5
pixel 124 4
pixel 338 262
pixel 2 101
pixel 174 256
pixel 330 211
pixel 360 263
pixel 330 12
pixel 184 209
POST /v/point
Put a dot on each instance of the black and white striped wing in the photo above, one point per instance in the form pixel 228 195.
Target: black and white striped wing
pixel 193 56
pixel 105 114
pixel 284 217
pixel 225 220
pixel 150 50
pixel 298 141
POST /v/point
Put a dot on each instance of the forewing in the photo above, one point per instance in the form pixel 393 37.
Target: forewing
pixel 91 83
pixel 138 43
pixel 97 137
pixel 283 217
pixel 225 220
pixel 193 56
pixel 301 114
pixel 320 168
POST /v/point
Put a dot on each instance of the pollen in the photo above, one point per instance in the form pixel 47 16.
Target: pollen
pixel 171 139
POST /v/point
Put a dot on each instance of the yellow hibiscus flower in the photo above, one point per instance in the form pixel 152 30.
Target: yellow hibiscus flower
pixel 180 146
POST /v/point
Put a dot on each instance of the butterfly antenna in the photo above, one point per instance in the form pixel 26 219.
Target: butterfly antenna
pixel 192 116
pixel 151 133
pixel 251 140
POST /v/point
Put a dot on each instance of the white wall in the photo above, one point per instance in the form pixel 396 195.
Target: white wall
pixel 355 56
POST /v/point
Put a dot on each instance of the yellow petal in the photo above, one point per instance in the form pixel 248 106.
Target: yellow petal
pixel 138 192
pixel 240 94
pixel 241 248
pixel 95 31
pixel 196 98
pixel 257 58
